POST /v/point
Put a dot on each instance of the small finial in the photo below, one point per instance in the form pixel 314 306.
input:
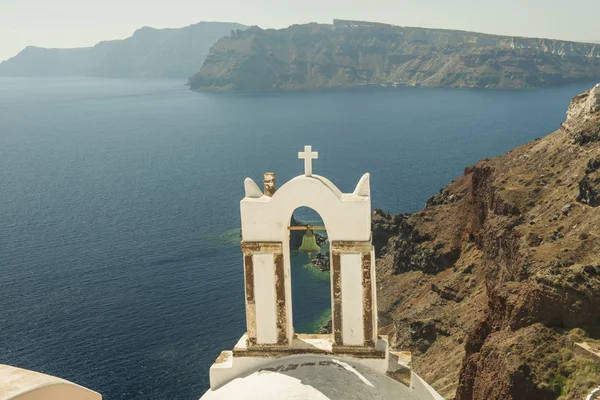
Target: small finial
pixel 363 188
pixel 251 189
pixel 269 183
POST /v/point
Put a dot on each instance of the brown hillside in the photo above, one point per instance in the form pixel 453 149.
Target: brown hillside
pixel 493 281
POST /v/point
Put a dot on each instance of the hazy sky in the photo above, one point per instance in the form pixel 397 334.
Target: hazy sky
pixel 76 23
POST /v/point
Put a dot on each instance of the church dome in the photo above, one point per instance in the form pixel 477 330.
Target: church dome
pixel 313 377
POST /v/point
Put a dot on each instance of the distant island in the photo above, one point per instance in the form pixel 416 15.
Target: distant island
pixel 148 53
pixel 220 56
pixel 357 53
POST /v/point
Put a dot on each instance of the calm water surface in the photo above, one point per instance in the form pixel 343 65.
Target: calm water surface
pixel 120 266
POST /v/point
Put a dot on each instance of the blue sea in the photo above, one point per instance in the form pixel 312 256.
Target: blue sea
pixel 120 266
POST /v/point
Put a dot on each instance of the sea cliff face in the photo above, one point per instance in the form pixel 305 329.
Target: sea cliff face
pixel 353 53
pixel 148 53
pixel 494 280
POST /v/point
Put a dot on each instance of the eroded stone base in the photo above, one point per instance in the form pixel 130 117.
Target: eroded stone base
pixel 244 361
pixel 245 357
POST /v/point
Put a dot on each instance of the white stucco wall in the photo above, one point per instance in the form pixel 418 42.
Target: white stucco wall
pixel 264 295
pixel 352 302
pixel 346 216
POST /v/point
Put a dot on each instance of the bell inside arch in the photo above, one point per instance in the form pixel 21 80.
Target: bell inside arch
pixel 309 243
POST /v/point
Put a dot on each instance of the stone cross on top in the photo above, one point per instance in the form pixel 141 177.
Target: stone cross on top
pixel 308 156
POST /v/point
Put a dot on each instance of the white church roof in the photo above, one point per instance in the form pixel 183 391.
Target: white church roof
pixel 313 377
pixel 21 384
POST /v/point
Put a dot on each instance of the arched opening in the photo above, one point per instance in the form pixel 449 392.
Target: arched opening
pixel 274 316
pixel 310 276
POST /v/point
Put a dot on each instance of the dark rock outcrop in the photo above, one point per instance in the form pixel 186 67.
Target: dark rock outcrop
pixel 321 261
pixel 589 186
pixel 327 328
pixel 383 227
pixel 589 189
pixel 321 239
pixel 414 250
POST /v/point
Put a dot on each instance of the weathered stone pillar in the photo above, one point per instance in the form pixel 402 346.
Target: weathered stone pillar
pixel 336 311
pixel 250 303
pixel 369 299
pixel 264 279
pixel 354 303
pixel 269 184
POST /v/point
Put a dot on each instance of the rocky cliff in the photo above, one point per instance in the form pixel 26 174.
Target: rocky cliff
pixel 149 53
pixel 354 53
pixel 494 280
